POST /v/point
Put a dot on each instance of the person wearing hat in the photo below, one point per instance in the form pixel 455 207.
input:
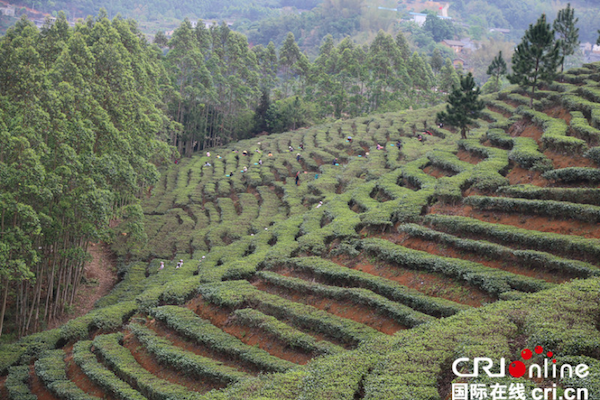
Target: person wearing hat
pixel 162 265
pixel 180 264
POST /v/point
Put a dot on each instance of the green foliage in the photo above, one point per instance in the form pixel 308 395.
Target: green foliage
pixel 235 294
pixel 574 174
pixel 101 375
pixel 536 57
pixel 124 365
pixel 334 274
pixel 281 331
pixel 526 258
pixel 184 361
pixel 105 319
pixel 201 331
pixel 543 241
pixel 497 69
pixel 400 313
pixel 488 279
pixel 439 29
pixel 573 195
pixel 51 370
pixel 564 25
pixel 16 384
pixel 542 207
pixel 464 106
pixel 555 133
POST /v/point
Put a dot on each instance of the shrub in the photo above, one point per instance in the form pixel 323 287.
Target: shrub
pixel 100 375
pixel 124 365
pixel 551 242
pixel 182 360
pixel 574 174
pixel 188 324
pixel 16 384
pixel 283 332
pixel 551 208
pixel 488 279
pixel 400 313
pixel 51 369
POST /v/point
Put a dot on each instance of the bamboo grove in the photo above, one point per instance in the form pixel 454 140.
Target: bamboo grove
pixel 81 123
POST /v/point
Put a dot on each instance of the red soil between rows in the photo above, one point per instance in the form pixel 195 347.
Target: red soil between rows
pixel 37 387
pixel 531 222
pixel 343 309
pixel 469 157
pixel 77 376
pixel 435 285
pixel 148 362
pixel 443 250
pixel 161 330
pixel 250 336
pixel 437 172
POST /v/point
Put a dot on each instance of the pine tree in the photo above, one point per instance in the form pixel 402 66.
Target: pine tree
pixel 464 105
pixel 497 69
pixel 536 57
pixel 564 25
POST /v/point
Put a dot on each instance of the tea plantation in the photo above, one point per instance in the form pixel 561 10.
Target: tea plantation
pixel 365 280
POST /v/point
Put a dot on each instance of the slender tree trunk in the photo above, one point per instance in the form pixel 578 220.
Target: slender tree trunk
pixel 4 297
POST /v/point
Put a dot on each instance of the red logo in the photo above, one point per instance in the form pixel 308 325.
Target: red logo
pixel 517 368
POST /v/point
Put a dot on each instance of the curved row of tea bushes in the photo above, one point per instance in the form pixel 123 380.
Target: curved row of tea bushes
pixel 527 258
pixel 398 312
pixel 490 280
pixel 575 246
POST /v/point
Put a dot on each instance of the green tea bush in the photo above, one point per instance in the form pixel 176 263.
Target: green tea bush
pixel 555 133
pixel 125 366
pixel 334 274
pixel 283 332
pixel 100 375
pixel 187 323
pixel 551 208
pixel 573 195
pixel 182 360
pixel 488 279
pixel 582 129
pixel 106 319
pixel 16 384
pixel 574 174
pixel 52 371
pixel 527 258
pixel 236 294
pixel 543 241
pixel 526 154
pixel 594 154
pixel 400 313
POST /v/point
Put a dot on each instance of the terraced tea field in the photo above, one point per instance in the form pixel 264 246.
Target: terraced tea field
pixel 364 280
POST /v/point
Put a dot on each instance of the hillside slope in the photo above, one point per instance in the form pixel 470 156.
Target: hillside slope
pixel 364 280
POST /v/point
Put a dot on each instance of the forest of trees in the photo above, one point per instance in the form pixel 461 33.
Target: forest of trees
pixel 219 82
pixel 81 126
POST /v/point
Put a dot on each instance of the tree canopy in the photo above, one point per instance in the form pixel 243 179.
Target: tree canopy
pixel 464 105
pixel 537 57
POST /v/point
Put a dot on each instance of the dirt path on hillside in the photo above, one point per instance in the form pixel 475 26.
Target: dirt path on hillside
pixel 101 277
